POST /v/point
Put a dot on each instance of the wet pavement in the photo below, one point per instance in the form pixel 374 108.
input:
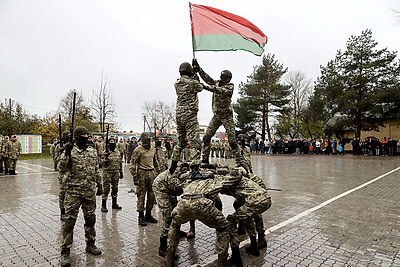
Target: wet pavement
pixel 332 211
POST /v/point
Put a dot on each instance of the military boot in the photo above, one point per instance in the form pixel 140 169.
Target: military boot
pixel 65 260
pixel 12 172
pixel 170 257
pixel 115 204
pixel 5 171
pixel 162 250
pixel 62 214
pixel 241 228
pixel 92 249
pixel 253 249
pixel 142 220
pixel 150 218
pixel 236 258
pixel 104 205
pixel 197 175
pixel 1 170
pixel 262 242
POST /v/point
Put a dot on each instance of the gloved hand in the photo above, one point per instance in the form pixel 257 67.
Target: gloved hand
pixel 68 149
pixel 135 180
pixel 195 65
pixel 99 190
pixel 121 174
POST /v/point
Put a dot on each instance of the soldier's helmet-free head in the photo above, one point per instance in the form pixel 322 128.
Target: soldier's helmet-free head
pixel 186 69
pixel 226 76
pixel 145 139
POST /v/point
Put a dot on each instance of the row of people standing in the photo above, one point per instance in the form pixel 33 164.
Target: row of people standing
pixel 10 150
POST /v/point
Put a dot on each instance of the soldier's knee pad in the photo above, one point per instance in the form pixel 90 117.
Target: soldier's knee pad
pixel 90 220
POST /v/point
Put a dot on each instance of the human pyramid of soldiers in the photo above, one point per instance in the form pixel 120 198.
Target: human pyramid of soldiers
pixel 197 181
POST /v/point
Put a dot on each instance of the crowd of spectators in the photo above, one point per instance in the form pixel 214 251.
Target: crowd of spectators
pixel 370 146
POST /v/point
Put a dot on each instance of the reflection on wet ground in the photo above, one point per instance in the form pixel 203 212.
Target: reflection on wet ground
pixel 361 228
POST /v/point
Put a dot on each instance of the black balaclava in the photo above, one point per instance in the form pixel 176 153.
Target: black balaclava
pixel 145 139
pixel 112 146
pixel 81 141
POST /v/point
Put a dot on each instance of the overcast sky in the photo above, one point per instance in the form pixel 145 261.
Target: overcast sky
pixel 48 47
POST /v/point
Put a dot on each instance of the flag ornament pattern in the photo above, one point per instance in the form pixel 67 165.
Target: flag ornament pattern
pixel 217 30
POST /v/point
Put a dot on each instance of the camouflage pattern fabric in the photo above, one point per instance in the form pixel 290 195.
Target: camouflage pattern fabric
pixel 12 151
pixel 162 158
pixel 80 182
pixel 58 150
pixel 112 166
pixel 144 168
pixel 187 107
pixel 204 210
pixel 166 187
pixel 223 114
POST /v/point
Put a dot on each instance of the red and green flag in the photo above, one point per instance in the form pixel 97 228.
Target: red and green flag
pixel 217 30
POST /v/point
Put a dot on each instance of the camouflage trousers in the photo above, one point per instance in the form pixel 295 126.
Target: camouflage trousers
pixel 61 190
pixel 12 164
pixel 166 203
pixel 204 210
pixel 188 131
pixel 72 204
pixel 145 188
pixel 248 211
pixel 2 163
pixel 110 179
pixel 254 224
pixel 212 128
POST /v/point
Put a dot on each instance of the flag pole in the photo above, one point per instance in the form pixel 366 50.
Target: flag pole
pixel 191 28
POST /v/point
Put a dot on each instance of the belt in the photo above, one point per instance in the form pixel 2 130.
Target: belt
pixel 194 196
pixel 146 169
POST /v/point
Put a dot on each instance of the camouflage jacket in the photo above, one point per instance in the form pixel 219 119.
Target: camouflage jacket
pixel 162 158
pixel 143 159
pixel 13 149
pixel 222 95
pixel 210 187
pixel 186 90
pixel 112 162
pixel 3 146
pixel 83 176
pixel 58 150
pixel 121 146
pixel 245 191
pixel 245 152
pixel 167 183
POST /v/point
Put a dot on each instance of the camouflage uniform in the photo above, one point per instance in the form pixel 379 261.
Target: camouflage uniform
pixel 112 170
pixel 13 149
pixel 121 146
pixel 223 114
pixel 162 157
pixel 254 200
pixel 197 204
pixel 3 158
pixel 61 179
pixel 53 154
pixel 100 146
pixel 81 178
pixel 187 107
pixel 144 169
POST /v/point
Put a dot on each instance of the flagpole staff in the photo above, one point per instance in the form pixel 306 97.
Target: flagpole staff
pixel 191 28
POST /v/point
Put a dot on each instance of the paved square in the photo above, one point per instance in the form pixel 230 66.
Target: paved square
pixel 332 211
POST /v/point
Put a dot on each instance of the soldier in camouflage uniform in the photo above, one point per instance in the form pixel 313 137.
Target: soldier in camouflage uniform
pixel 197 204
pixel 223 114
pixel 166 188
pixel 3 159
pixel 245 152
pixel 187 107
pixel 121 147
pixel 12 151
pixel 161 154
pixel 59 149
pixel 80 164
pixel 112 172
pixel 53 154
pixel 100 146
pixel 144 169
pixel 254 200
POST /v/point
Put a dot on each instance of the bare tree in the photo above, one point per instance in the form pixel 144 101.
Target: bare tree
pixel 158 115
pixel 301 89
pixel 103 107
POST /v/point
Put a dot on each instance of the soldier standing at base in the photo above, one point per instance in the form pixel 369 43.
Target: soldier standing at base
pixel 144 169
pixel 112 172
pixel 3 165
pixel 80 164
pixel 166 188
pixel 161 154
pixel 52 152
pixel 196 204
pixel 12 151
pixel 223 114
pixel 121 147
